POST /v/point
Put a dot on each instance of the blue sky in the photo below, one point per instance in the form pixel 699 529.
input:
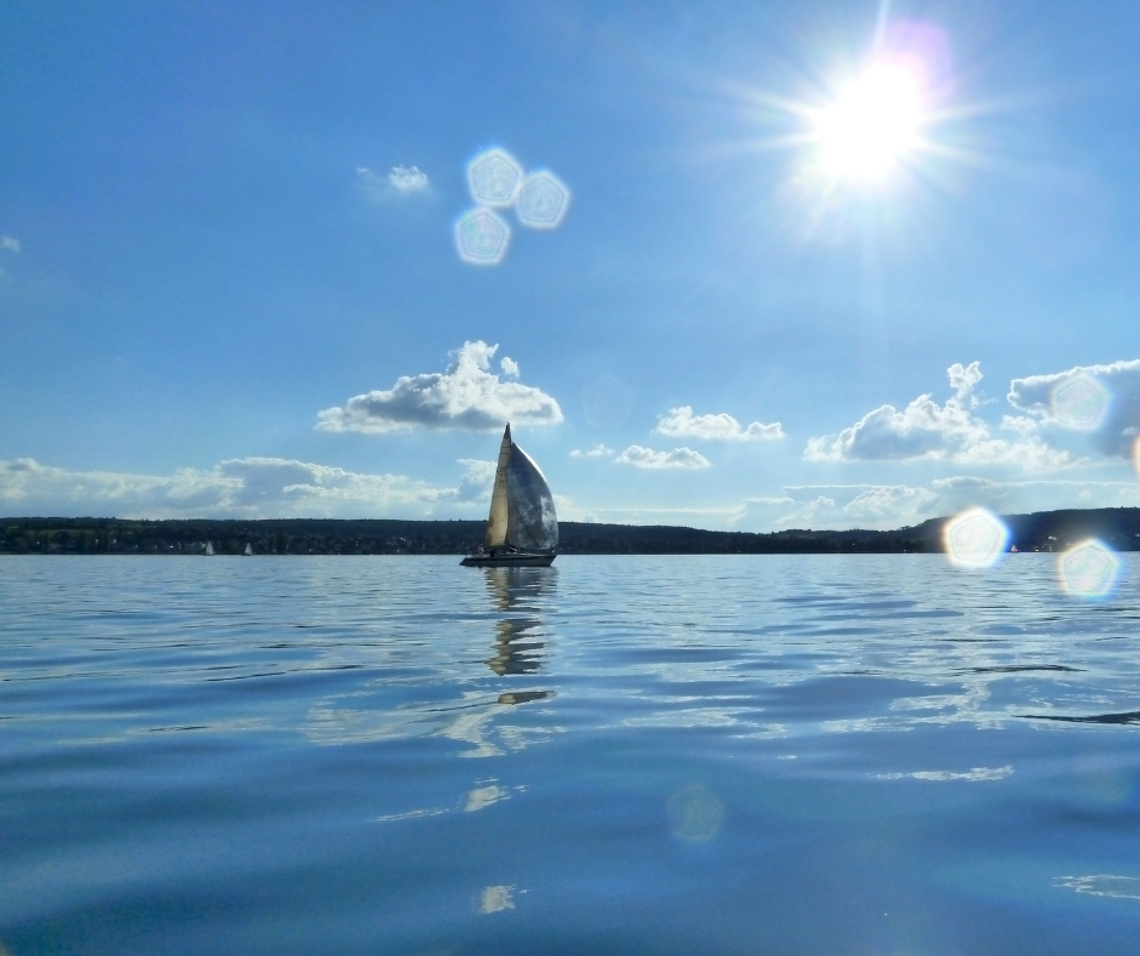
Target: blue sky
pixel 230 283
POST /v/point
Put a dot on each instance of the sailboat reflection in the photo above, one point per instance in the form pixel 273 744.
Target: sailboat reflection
pixel 518 643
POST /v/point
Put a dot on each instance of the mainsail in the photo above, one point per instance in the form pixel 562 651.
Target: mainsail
pixel 522 509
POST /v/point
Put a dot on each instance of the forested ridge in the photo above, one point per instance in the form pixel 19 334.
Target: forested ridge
pixel 1119 528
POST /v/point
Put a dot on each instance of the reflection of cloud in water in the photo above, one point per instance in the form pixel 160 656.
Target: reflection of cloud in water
pixel 495 899
pixel 474 719
pixel 485 796
pixel 1103 884
pixel 973 775
pixel 412 814
pixel 688 717
pixel 479 798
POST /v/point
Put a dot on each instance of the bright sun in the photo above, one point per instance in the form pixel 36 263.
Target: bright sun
pixel 873 124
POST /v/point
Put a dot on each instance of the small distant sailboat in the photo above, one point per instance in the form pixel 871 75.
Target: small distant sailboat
pixel 209 548
pixel 522 528
pixel 248 550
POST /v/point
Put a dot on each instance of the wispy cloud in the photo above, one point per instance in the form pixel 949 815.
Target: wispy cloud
pixel 399 181
pixel 641 457
pixel 843 506
pixel 9 244
pixel 927 430
pixel 240 487
pixel 408 179
pixel 682 423
pixel 900 505
pixel 598 451
pixel 466 396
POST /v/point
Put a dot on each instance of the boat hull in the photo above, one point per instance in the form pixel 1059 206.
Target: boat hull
pixel 517 559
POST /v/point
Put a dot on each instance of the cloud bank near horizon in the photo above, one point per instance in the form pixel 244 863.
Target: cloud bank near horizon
pixel 467 396
pixel 237 488
pixel 889 506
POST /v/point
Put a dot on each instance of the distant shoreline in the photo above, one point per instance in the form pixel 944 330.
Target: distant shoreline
pixel 1119 528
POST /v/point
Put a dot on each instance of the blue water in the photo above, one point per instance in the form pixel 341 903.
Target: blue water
pixel 658 755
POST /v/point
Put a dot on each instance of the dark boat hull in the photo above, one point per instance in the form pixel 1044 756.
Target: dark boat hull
pixel 515 559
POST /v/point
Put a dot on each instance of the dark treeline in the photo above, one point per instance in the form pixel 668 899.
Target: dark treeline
pixel 1119 528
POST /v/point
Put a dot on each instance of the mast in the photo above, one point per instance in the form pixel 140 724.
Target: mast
pixel 496 535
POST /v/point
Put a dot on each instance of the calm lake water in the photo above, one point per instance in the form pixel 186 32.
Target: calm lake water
pixel 865 755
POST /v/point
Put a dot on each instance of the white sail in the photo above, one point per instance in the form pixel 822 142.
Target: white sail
pixel 496 535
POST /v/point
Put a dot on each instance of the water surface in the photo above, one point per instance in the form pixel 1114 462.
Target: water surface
pixel 660 755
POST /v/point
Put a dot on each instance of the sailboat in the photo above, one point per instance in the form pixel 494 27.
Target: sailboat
pixel 209 549
pixel 522 528
pixel 248 549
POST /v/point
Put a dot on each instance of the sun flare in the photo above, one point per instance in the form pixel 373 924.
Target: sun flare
pixel 873 124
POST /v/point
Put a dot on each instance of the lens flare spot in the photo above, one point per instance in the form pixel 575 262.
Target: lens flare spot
pixel 1079 402
pixel 1088 569
pixel 494 178
pixel 482 237
pixel 695 814
pixel 975 539
pixel 543 201
pixel 873 123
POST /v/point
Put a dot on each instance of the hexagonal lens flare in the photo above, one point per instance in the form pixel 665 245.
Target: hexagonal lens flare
pixel 1079 402
pixel 1088 570
pixel 975 539
pixel 543 201
pixel 494 178
pixel 482 237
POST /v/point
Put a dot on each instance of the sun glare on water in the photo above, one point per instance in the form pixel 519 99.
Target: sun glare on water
pixel 873 124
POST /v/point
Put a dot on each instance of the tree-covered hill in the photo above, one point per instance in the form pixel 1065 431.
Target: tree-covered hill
pixel 1119 528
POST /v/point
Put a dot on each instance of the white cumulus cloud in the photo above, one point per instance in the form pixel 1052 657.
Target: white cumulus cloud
pixel 1119 423
pixel 641 457
pixel 10 245
pixel 466 396
pixel 682 423
pixel 927 430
